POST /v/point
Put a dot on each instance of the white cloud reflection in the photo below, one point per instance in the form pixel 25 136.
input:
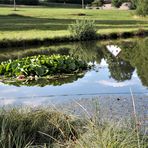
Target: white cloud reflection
pixel 34 102
pixel 2 84
pixel 4 102
pixel 103 63
pixel 115 84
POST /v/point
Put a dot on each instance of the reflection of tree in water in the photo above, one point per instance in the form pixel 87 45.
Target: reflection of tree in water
pixel 87 51
pixel 137 54
pixel 134 54
pixel 120 70
pixel 18 54
pixel 41 82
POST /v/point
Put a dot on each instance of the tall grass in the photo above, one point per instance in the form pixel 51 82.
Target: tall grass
pixel 21 128
pixel 25 128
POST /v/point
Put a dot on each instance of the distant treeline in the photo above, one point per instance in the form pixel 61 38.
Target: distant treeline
pixel 36 2
pixel 70 1
pixel 20 2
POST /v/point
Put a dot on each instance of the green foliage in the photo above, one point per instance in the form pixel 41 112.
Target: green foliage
pixel 20 2
pixel 120 70
pixel 142 7
pixel 83 29
pixel 136 53
pixel 116 3
pixel 69 1
pixel 133 4
pixel 42 65
pixel 111 135
pixel 97 3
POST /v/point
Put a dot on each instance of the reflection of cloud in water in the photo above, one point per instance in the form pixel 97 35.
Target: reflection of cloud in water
pixel 7 101
pixel 115 84
pixel 2 84
pixel 88 74
pixel 135 75
pixel 10 90
pixel 34 102
pixel 103 63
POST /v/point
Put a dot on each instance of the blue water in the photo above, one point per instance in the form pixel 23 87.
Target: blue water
pixel 95 82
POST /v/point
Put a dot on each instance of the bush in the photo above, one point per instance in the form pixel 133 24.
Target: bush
pixel 142 7
pixel 116 3
pixel 20 2
pixel 133 4
pixel 83 30
pixel 97 3
pixel 69 1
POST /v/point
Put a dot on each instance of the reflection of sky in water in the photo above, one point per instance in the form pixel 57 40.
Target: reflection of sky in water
pixel 95 82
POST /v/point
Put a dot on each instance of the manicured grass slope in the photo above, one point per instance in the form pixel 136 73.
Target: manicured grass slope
pixel 28 23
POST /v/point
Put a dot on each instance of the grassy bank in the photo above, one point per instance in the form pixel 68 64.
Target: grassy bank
pixel 38 25
pixel 51 128
pixel 21 42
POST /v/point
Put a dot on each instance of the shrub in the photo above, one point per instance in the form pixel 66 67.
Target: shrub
pixel 69 1
pixel 83 30
pixel 116 3
pixel 20 2
pixel 133 4
pixel 142 7
pixel 97 3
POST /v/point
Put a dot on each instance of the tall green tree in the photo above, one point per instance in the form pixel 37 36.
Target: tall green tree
pixel 142 7
pixel 116 3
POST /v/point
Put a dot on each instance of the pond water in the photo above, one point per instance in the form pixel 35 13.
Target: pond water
pixel 111 76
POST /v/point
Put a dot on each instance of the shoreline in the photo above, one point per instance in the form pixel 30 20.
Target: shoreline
pixel 6 43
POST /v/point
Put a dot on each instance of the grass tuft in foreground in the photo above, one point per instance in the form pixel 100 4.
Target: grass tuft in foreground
pixel 51 128
pixel 22 128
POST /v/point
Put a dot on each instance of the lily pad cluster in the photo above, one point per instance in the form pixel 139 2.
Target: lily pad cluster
pixel 42 65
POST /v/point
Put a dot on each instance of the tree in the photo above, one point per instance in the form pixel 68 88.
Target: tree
pixel 116 3
pixel 82 4
pixel 97 3
pixel 120 69
pixel 14 2
pixel 133 4
pixel 142 7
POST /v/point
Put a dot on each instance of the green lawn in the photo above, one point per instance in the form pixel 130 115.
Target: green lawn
pixel 28 23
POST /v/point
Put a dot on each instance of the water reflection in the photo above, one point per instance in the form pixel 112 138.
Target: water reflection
pixel 132 57
pixel 137 54
pixel 41 82
pixel 126 70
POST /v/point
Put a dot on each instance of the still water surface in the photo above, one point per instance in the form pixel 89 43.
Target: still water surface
pixel 110 76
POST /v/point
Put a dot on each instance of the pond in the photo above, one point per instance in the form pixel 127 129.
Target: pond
pixel 110 76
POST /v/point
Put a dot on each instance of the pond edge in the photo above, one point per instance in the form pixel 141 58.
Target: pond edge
pixel 5 43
